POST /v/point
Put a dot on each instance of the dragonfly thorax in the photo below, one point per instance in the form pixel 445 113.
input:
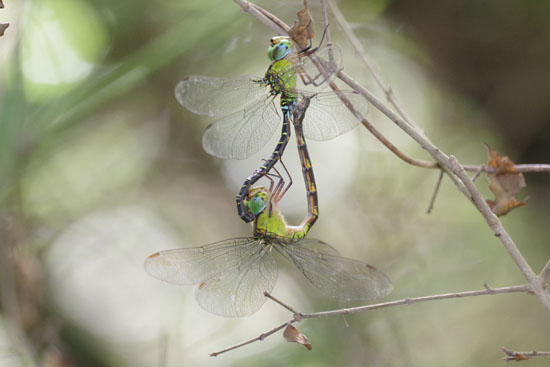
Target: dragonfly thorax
pixel 281 77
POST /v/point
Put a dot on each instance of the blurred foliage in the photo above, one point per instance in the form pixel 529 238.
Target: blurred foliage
pixel 100 167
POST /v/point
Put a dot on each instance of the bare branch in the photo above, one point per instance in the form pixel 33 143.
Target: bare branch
pixel 523 168
pixel 272 22
pixel 406 301
pixel 522 356
pixel 325 19
pixel 268 19
pixel 436 190
pixel 545 273
pixel 496 225
pixel 386 88
pixel 258 338
pixel 281 303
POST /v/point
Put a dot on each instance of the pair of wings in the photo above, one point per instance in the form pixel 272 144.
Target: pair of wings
pixel 248 114
pixel 232 275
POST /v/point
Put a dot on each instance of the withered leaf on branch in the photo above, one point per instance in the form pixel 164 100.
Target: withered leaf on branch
pixel 520 357
pixel 505 183
pixel 291 334
pixel 302 30
pixel 3 27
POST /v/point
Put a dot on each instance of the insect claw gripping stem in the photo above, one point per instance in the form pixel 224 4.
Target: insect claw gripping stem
pixel 306 51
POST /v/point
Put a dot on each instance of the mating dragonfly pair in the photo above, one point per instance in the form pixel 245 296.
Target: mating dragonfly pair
pixel 232 275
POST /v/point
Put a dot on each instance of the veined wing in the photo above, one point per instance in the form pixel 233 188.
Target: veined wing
pixel 242 133
pixel 239 291
pixel 328 117
pixel 213 97
pixel 334 275
pixel 186 266
pixel 231 275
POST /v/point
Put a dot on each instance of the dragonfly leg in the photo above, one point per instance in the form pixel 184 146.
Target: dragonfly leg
pixel 281 194
pixel 308 50
pixel 275 194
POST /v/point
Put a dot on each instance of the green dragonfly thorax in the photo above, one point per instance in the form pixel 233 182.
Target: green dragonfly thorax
pixel 281 77
pixel 270 223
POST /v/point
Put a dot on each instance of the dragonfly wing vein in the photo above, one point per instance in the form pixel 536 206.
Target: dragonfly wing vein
pixel 213 97
pixel 239 291
pixel 242 134
pixel 337 276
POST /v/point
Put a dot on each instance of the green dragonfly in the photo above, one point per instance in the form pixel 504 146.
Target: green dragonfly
pixel 232 275
pixel 247 113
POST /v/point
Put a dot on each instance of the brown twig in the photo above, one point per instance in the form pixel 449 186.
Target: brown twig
pixel 258 338
pixel 436 190
pixel 522 356
pixel 457 173
pixel 406 301
pixel 268 19
pixel 280 27
pixel 496 225
pixel 281 303
pixel 360 51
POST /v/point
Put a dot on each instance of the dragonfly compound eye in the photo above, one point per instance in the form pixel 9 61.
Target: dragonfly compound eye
pixel 279 50
pixel 256 204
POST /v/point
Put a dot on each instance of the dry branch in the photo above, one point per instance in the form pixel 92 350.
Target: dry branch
pixel 522 356
pixel 298 316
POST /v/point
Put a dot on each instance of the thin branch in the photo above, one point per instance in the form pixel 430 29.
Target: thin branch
pixel 406 301
pixel 522 356
pixel 268 19
pixel 325 20
pixel 455 171
pixel 545 273
pixel 523 168
pixel 281 303
pixel 272 22
pixel 386 88
pixel 436 190
pixel 258 338
pixel 478 172
pixel 496 225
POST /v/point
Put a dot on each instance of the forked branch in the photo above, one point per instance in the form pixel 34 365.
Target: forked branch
pixel 298 316
pixel 522 356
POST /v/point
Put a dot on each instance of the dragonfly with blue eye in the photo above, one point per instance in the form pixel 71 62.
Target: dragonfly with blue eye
pixel 231 276
pixel 247 113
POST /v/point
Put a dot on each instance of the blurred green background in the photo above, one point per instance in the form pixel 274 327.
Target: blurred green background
pixel 100 167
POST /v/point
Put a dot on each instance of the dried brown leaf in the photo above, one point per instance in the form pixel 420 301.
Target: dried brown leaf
pixel 505 183
pixel 291 334
pixel 521 357
pixel 1 4
pixel 3 27
pixel 302 31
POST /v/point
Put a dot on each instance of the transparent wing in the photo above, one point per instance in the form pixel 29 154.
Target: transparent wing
pixel 193 265
pixel 242 133
pixel 328 117
pixel 334 275
pixel 231 275
pixel 213 97
pixel 239 291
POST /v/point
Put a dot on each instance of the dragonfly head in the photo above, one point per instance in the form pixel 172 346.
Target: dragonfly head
pixel 256 200
pixel 280 48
